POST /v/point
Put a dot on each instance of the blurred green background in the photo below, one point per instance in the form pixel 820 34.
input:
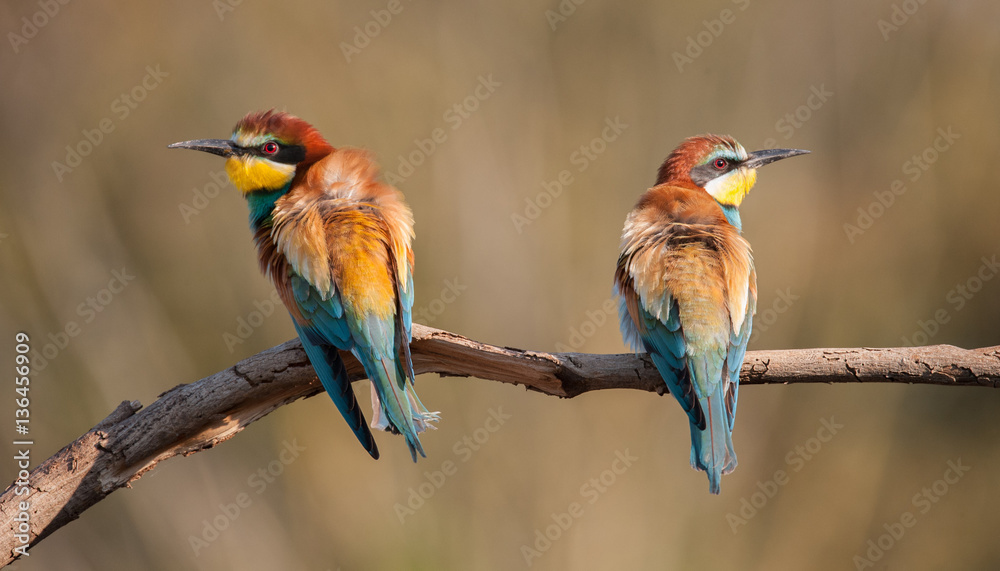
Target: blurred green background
pixel 867 86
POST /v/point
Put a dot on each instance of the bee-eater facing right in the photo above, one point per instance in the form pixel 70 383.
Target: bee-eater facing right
pixel 687 286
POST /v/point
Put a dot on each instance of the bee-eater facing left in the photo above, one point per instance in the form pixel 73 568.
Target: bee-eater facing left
pixel 335 241
pixel 687 286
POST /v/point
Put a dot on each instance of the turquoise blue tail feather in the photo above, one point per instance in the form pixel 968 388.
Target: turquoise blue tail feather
pixel 382 348
pixel 332 374
pixel 706 386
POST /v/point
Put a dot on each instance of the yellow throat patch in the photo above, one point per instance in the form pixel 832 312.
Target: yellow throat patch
pixel 253 173
pixel 731 188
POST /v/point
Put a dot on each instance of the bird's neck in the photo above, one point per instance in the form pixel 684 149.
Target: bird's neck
pixel 261 204
pixel 733 216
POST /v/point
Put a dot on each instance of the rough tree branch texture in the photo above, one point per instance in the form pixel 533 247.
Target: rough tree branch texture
pixel 197 416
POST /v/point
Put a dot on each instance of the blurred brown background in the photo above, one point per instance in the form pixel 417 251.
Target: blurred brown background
pixel 865 86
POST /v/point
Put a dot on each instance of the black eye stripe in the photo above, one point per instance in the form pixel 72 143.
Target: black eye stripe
pixel 702 174
pixel 287 154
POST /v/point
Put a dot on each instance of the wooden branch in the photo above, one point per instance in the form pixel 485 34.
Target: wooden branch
pixel 194 417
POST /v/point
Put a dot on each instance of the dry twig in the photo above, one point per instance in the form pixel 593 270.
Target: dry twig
pixel 194 417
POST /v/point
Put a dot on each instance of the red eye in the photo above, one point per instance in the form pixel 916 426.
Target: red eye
pixel 720 164
pixel 270 148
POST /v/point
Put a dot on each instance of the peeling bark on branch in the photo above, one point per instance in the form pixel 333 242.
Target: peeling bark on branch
pixel 200 415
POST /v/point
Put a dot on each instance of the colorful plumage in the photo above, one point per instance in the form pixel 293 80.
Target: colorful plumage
pixel 335 242
pixel 687 286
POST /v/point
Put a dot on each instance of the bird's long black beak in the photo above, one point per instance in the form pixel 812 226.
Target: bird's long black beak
pixel 221 147
pixel 758 159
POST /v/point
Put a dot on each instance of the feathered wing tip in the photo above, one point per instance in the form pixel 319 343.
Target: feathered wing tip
pixel 333 375
pixel 397 408
pixel 420 415
pixel 421 419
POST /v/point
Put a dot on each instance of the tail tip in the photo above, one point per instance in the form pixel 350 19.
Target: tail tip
pixel 714 485
pixel 415 447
